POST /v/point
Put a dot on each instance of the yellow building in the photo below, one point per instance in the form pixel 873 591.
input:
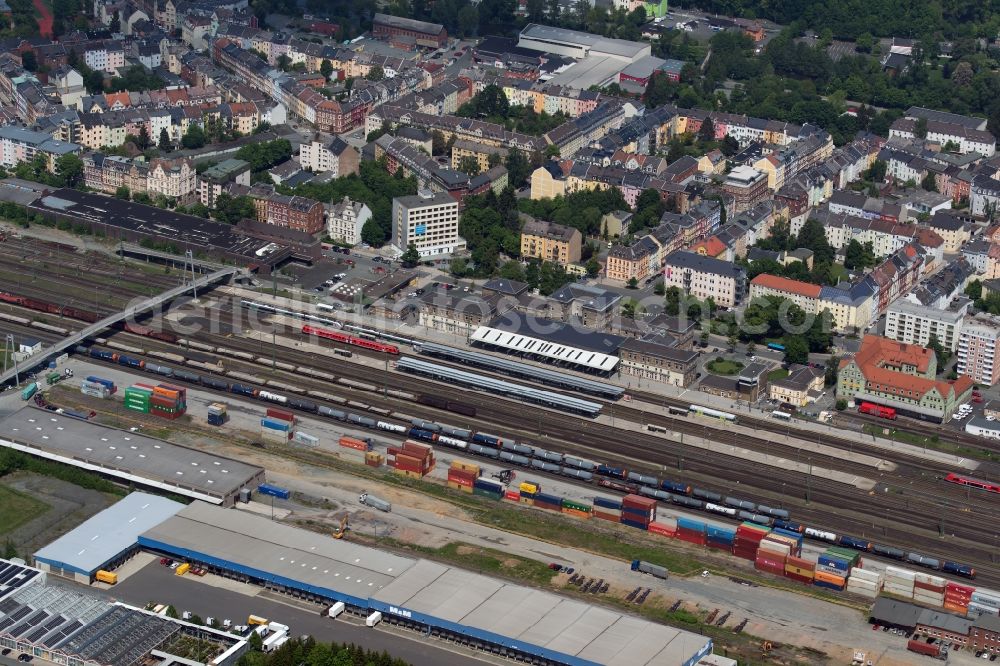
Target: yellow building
pixel 802 386
pixel 551 242
pixel 547 182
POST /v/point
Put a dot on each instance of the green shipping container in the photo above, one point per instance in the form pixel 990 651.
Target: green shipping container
pixel 137 408
pixel 52 377
pixel 485 493
pixel 579 506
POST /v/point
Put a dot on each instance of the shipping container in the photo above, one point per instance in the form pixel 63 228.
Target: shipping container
pixel 106 577
pixel 353 443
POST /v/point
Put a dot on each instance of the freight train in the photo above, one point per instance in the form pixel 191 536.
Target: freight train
pixel 506 450
pixel 877 410
pixel 85 315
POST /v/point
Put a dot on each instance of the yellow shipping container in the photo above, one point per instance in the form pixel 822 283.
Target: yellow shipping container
pixel 408 473
pixel 526 487
pixel 182 569
pixel 466 466
pixel 799 571
pixel 107 577
pixel 530 501
pixel 458 486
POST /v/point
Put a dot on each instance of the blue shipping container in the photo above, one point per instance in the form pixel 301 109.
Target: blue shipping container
pixel 550 499
pixel 689 524
pixel 607 503
pixel 721 533
pixel 788 533
pixel 273 491
pixel 488 484
pixel 829 586
pixel 634 523
pixel 103 382
pixel 834 562
pixel 275 424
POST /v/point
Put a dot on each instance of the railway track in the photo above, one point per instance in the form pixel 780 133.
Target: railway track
pixel 902 521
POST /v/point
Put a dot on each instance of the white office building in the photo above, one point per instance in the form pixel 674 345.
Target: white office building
pixel 429 221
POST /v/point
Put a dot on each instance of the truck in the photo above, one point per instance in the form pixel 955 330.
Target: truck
pixel 373 619
pixel 255 620
pixel 651 569
pixel 929 649
pixel 106 577
pixel 374 502
pixel 272 641
pixel 29 390
pixel 182 569
pixel 336 609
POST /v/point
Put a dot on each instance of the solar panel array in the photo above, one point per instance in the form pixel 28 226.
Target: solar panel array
pixel 14 576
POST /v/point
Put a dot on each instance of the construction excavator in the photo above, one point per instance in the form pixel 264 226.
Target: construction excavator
pixel 344 526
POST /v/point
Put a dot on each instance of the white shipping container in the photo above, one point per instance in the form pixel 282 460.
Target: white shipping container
pixel 928 579
pixel 854 582
pixel 305 438
pixel 896 572
pixel 898 591
pixel 866 575
pixel 985 598
pixel 775 547
pixel 862 591
pixel 978 609
pixel 96 393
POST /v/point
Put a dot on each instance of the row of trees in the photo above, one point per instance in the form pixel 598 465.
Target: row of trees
pixel 309 652
pixel 581 210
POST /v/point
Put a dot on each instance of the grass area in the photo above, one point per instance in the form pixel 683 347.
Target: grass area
pixel 837 273
pixel 932 442
pixel 774 375
pixel 721 366
pixel 487 561
pixel 17 508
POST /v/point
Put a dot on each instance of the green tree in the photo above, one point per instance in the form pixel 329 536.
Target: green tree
pixel 796 350
pixel 372 233
pixel 142 140
pixel 841 405
pixel 593 267
pixel 458 267
pixel 194 138
pixel 877 171
pixel 28 61
pixel 469 165
pixel 9 549
pixel 858 256
pixel 518 168
pixel 123 193
pixel 164 142
pixel 230 209
pixel 974 290
pixel 411 257
pixel 659 288
pixel 942 354
pixel 376 73
pixel 69 167
pixel 172 612
pixel 707 130
pixel 929 182
pixel 326 69
pixel 256 642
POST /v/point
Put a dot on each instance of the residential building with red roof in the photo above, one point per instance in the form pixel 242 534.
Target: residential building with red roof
pixel 803 294
pixel 901 376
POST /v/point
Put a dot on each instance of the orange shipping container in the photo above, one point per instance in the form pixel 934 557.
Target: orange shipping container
pixel 830 578
pixel 352 443
pixel 576 513
pixel 956 608
pixel 167 392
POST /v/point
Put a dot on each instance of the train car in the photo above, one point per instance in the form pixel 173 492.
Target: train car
pixel 455 442
pixel 774 513
pixel 272 397
pixel 758 518
pixel 923 561
pixel 613 472
pixel 459 433
pixel 738 503
pixel 103 355
pixel 674 487
pixel 82 315
pixel 131 362
pixel 432 400
pixel 821 535
pixel 462 408
pixel 484 439
pixel 854 542
pixel 329 412
pixel 354 340
pixel 390 427
pixel 550 456
pixel 243 389
pixel 543 466
pixel 423 435
pixel 619 486
pixel 888 551
pixel 957 569
pixel 706 495
pixel 971 482
pixel 654 493
pixel 712 413
pixel 877 410
pixel 643 479
pixel 159 369
pixel 147 332
pixel 579 474
pixel 303 405
pixel 789 525
pixel 425 425
pixel 720 509
pixel 515 459
pixel 186 376
pixel 690 502
pixel 213 383
pixel 487 451
pixel 677 411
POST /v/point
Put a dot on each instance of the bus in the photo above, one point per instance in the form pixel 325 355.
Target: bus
pixel 781 416
pixel 775 346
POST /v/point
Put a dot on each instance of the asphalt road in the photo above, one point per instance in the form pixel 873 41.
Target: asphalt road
pixel 155 582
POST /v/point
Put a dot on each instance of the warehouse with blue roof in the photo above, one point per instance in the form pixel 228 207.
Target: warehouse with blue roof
pixel 500 617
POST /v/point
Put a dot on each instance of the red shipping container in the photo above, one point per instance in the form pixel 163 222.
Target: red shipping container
pixel 160 401
pixel 610 517
pixel 461 474
pixel 406 462
pixel 767 557
pixel 462 482
pixel 927 586
pixel 660 528
pixel 417 447
pixel 801 563
pixel 697 538
pixel 549 506
pixel 720 546
pixel 959 588
pixel 281 414
pixel 639 502
pixel 512 495
pixel 352 443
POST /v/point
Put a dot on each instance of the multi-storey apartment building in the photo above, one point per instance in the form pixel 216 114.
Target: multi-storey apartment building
pixel 173 178
pixel 345 220
pixel 977 348
pixel 427 220
pixel 704 277
pixel 335 156
pixel 914 323
pixel 551 242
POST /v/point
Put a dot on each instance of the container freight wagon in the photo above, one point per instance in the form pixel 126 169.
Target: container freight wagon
pixel 651 569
